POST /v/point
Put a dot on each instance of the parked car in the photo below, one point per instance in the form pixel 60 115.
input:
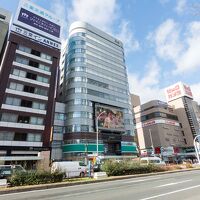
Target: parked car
pixel 152 160
pixel 7 170
pixel 70 168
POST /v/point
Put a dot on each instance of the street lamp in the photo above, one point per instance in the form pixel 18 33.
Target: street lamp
pixel 97 130
pixel 151 142
pixel 197 147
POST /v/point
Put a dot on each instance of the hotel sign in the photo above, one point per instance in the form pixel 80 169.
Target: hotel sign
pixel 178 90
pixel 35 37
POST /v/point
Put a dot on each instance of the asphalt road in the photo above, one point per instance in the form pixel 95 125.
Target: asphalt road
pixel 176 186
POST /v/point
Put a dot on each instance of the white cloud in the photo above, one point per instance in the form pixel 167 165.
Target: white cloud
pixel 195 91
pixel 181 5
pixel 166 39
pixel 147 87
pixel 189 59
pixel 99 13
pixel 103 14
pixel 126 35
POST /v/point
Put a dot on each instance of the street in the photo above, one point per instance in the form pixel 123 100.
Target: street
pixel 183 186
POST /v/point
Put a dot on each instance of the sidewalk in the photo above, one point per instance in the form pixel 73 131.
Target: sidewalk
pixel 66 184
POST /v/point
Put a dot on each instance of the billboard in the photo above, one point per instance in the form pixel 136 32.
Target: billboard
pixel 38 21
pixel 109 118
pixel 178 90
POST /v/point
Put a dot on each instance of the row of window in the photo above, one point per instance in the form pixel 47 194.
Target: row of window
pixel 60 116
pixel 10 117
pixel 25 103
pixel 29 75
pixel 31 63
pixel 96 93
pixel 77 59
pixel 29 89
pixel 34 52
pixel 78 128
pixel 79 114
pixel 96 83
pixel 83 102
pixel 15 136
pixel 158 114
pixel 72 43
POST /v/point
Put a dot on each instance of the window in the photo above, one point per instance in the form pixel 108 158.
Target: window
pixel 13 101
pixel 60 116
pixel 33 64
pixel 44 67
pixel 41 91
pixel 34 137
pixel 22 60
pixel 34 52
pixel 29 89
pixel 185 141
pixel 183 133
pixel 26 103
pixel 20 137
pixel 23 119
pixel 20 73
pixel 8 117
pixel 31 76
pixel 40 106
pixel 24 49
pixel 58 129
pixel 16 86
pixel 36 120
pixel 5 135
pixel 42 79
pixel 46 56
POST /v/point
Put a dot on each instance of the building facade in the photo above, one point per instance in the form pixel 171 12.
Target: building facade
pixel 28 86
pixel 96 95
pixel 158 128
pixel 5 17
pixel 180 97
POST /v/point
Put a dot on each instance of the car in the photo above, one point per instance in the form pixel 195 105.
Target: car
pixel 152 160
pixel 6 171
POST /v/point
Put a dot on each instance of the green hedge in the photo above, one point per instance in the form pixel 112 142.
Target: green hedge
pixel 113 168
pixel 35 177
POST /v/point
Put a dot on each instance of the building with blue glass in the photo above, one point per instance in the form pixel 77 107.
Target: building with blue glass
pixel 96 93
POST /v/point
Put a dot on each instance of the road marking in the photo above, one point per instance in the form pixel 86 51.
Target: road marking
pixel 174 183
pixel 142 180
pixel 173 192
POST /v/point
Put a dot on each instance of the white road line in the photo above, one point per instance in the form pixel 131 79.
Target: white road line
pixel 174 183
pixel 142 180
pixel 173 192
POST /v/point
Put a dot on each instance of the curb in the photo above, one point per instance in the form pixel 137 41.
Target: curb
pixel 57 185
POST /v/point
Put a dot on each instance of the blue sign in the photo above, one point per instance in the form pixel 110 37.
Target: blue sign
pixel 38 22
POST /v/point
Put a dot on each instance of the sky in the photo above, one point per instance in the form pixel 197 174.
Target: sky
pixel 161 38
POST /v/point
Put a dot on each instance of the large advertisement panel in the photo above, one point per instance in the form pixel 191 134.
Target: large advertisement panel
pixel 109 118
pixel 38 21
pixel 178 90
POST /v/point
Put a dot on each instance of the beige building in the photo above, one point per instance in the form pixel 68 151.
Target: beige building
pixel 180 97
pixel 157 126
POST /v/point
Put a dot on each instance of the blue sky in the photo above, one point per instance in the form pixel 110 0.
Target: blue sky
pixel 161 37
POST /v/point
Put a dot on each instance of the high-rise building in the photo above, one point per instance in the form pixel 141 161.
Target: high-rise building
pixel 28 85
pixel 96 95
pixel 158 128
pixel 180 97
pixel 4 26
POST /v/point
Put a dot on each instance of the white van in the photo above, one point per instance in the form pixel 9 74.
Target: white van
pixel 70 168
pixel 152 160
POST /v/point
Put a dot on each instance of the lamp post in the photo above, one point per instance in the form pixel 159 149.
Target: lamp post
pixel 197 147
pixel 151 142
pixel 97 130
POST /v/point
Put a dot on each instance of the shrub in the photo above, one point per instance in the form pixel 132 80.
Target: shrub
pixel 113 168
pixel 34 178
